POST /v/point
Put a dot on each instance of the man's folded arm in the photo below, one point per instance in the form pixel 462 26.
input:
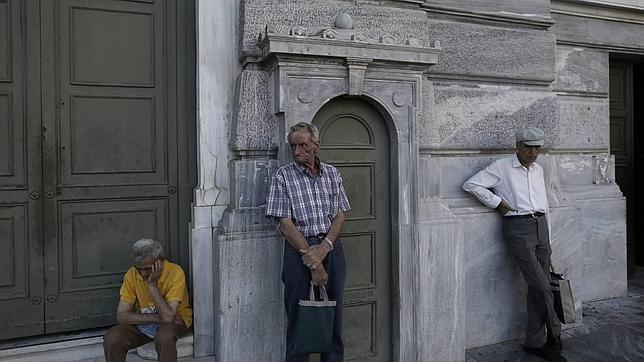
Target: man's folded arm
pixel 126 314
pixel 479 185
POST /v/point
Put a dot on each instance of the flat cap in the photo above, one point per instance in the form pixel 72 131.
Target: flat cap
pixel 531 136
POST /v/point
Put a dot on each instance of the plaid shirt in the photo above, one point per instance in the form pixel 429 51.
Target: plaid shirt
pixel 311 202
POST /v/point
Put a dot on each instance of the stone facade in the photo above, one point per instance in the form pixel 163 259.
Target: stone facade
pixel 454 80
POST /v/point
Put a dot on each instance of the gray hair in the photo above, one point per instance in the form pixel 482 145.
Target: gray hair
pixel 313 131
pixel 145 248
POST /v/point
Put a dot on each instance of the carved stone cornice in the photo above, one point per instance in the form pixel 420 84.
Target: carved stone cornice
pixel 543 22
pixel 348 45
pixel 599 10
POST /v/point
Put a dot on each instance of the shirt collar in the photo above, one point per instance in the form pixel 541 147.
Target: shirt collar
pixel 305 172
pixel 517 163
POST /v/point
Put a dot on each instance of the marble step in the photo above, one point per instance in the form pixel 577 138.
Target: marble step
pixel 82 350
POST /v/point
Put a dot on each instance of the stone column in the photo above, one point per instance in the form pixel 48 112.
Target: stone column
pixel 218 67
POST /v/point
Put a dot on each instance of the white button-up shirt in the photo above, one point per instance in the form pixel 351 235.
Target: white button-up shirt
pixel 524 189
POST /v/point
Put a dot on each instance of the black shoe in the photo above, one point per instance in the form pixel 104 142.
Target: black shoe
pixel 554 344
pixel 545 353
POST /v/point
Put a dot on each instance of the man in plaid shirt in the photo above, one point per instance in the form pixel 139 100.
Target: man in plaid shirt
pixel 306 196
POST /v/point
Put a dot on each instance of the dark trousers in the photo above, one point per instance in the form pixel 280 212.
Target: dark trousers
pixel 529 242
pixel 123 337
pixel 297 277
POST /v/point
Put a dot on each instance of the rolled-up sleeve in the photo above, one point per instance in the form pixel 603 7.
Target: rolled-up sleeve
pixel 278 204
pixel 479 185
pixel 342 197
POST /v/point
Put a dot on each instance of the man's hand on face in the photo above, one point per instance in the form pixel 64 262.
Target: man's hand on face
pixel 504 207
pixel 319 276
pixel 157 269
pixel 315 254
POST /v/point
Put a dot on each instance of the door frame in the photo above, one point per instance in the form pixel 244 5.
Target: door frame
pixel 305 78
pixel 634 249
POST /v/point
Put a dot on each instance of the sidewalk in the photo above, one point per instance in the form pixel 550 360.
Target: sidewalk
pixel 612 330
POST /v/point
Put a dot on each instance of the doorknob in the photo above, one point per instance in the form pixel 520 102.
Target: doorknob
pixel 34 195
pixel 51 298
pixel 49 194
pixel 36 300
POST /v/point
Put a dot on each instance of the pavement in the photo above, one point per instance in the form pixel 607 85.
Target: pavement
pixel 612 330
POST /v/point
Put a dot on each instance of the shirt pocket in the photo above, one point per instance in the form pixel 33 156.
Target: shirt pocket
pixel 330 199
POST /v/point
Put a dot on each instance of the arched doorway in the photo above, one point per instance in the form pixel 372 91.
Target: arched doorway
pixel 354 139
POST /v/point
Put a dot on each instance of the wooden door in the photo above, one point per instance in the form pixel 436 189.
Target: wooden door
pixel 621 142
pixel 354 139
pixel 90 161
pixel 109 150
pixel 21 260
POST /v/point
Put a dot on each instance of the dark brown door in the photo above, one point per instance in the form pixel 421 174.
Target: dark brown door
pixel 354 139
pixel 621 141
pixel 97 165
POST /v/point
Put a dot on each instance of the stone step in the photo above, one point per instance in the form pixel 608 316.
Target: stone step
pixel 82 350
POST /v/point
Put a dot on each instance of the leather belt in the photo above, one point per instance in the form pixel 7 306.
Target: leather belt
pixel 534 215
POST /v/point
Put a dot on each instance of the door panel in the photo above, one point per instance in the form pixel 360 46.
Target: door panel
pixel 110 174
pixel 354 139
pixel 88 154
pixel 20 245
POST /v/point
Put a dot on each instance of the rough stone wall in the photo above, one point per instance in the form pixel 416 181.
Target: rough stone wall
pixel 493 77
pixel 586 175
pixel 491 80
pixel 374 18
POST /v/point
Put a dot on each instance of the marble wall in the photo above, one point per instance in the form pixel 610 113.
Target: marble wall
pixel 501 67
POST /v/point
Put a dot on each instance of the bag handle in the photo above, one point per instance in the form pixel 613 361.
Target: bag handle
pixel 323 294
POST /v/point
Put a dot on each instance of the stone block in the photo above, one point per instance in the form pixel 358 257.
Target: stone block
pixel 250 311
pixel 441 314
pixel 579 170
pixel 217 70
pixel 581 70
pixel 202 298
pixel 373 19
pixel 485 117
pixel 582 123
pixel 489 51
pixel 202 217
pixel 604 248
pixel 494 288
pixel 567 245
pixel 601 32
pixel 255 127
pixel 251 179
pixel 495 291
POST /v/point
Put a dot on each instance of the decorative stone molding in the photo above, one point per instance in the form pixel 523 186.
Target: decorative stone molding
pixel 604 169
pixel 307 71
pixel 357 70
pixel 347 43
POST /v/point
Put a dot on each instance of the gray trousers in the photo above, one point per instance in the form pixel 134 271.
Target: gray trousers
pixel 529 242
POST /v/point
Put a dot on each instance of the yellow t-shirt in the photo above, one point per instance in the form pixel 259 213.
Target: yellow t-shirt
pixel 172 285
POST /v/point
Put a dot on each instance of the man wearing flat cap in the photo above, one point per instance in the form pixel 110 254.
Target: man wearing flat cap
pixel 519 194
